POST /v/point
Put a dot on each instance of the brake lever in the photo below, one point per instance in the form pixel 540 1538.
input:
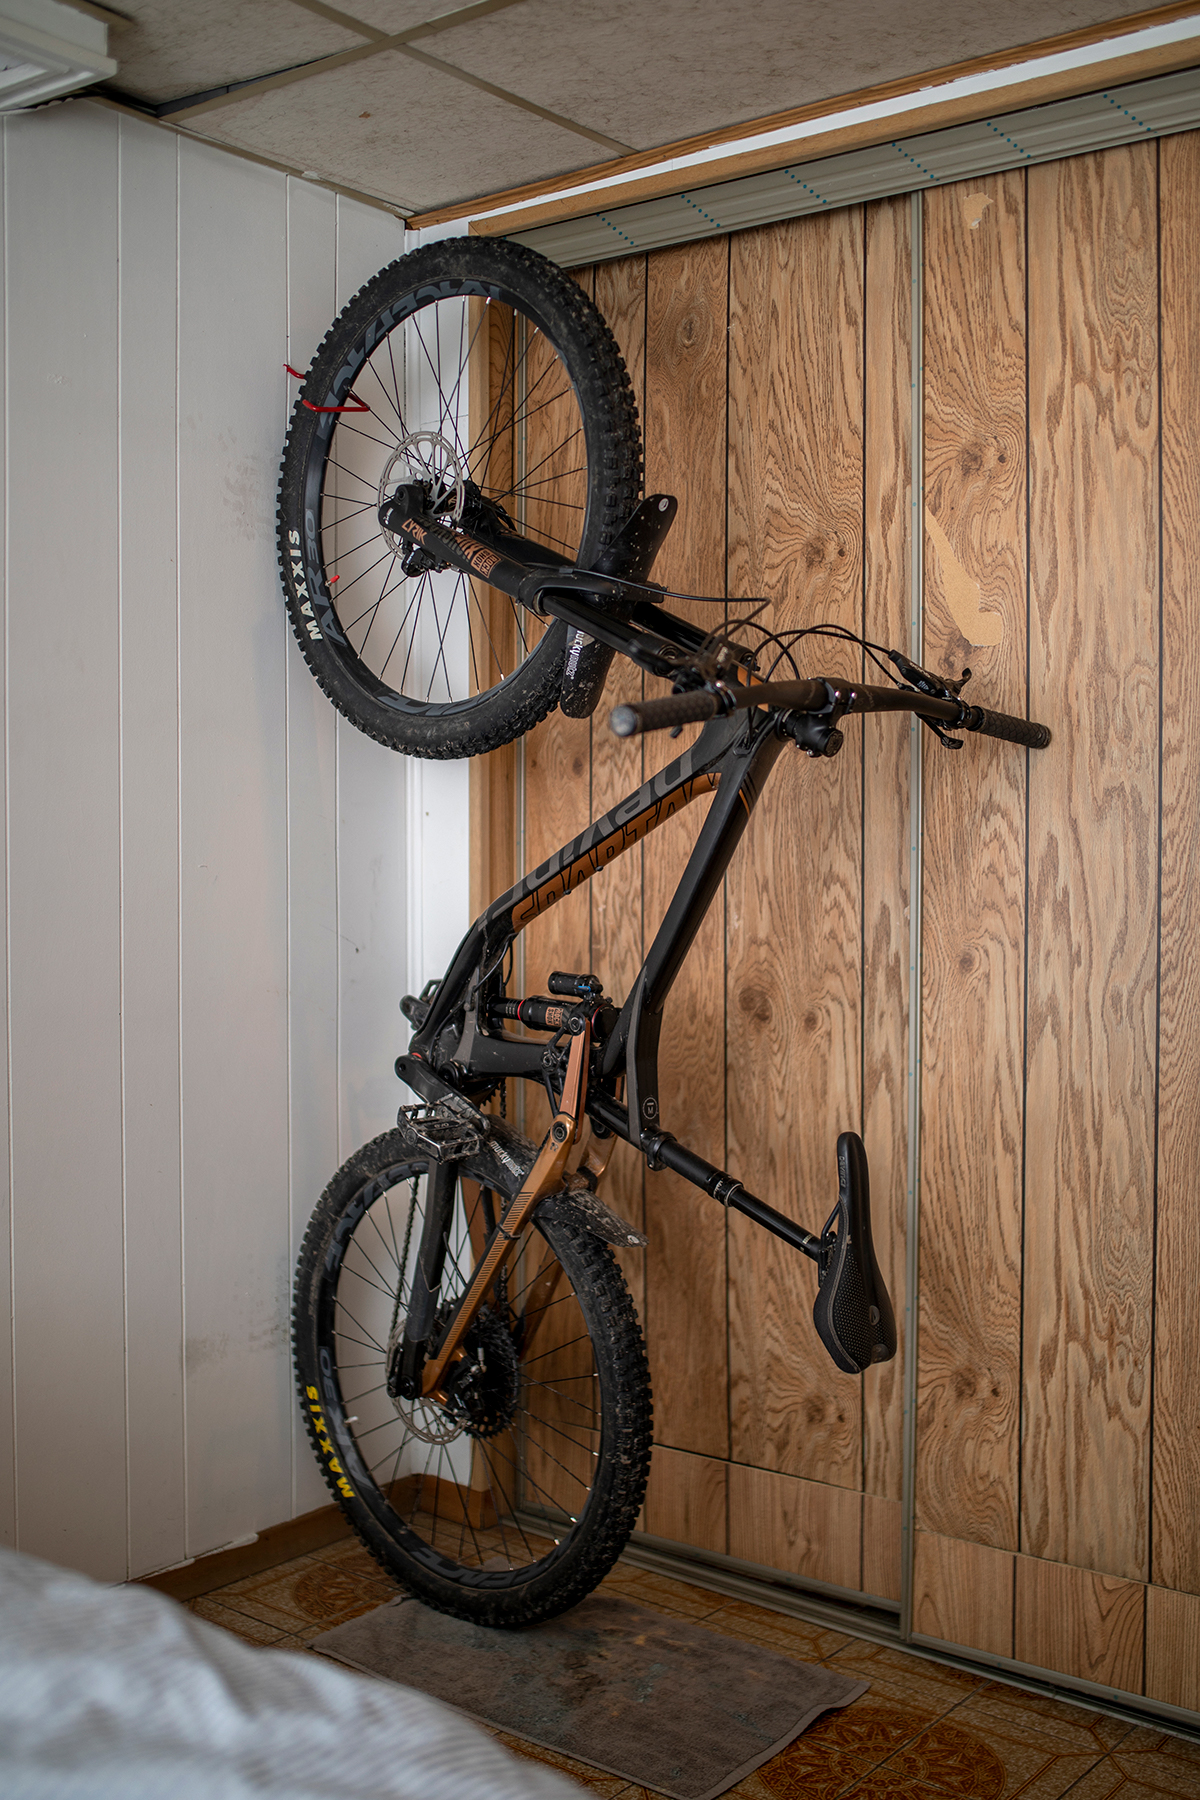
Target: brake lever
pixel 938 687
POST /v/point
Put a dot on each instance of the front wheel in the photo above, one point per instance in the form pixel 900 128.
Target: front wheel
pixel 481 373
pixel 510 1503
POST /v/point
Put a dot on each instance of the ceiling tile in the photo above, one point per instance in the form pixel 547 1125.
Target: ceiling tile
pixel 397 15
pixel 646 75
pixel 179 47
pixel 392 127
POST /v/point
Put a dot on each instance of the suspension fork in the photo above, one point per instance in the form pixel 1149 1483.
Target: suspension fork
pixel 405 1374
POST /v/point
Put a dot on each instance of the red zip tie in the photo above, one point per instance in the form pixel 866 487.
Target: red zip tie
pixel 359 405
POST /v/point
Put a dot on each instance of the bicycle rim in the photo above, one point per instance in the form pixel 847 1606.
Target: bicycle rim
pixel 493 383
pixel 473 1503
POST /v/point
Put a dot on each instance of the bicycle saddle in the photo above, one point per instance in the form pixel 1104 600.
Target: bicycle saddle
pixel 853 1310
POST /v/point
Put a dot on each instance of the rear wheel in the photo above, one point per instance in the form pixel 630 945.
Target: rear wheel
pixel 491 381
pixel 510 1503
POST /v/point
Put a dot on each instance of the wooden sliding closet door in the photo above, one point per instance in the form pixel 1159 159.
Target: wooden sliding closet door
pixel 1056 1456
pixel 1057 1429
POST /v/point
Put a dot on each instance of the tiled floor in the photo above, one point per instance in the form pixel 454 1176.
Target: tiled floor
pixel 921 1732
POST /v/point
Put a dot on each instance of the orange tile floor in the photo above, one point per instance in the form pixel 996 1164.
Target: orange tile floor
pixel 921 1732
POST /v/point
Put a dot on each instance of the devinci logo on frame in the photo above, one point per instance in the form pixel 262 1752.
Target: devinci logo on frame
pixel 608 848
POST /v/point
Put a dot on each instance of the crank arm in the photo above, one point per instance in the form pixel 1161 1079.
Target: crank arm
pixel 543 1178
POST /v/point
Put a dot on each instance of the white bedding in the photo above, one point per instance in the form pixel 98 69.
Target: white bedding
pixel 119 1692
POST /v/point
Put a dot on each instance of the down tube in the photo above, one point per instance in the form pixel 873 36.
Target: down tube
pixel 744 772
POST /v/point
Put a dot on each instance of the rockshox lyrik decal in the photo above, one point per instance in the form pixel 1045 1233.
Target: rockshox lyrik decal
pixel 623 835
pixel 481 559
pixel 323 1439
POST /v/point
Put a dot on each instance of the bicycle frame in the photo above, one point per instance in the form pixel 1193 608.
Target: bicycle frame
pixel 460 1048
pixel 458 1045
pixel 727 761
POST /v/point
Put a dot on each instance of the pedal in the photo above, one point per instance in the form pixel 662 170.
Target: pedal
pixel 853 1310
pixel 441 1133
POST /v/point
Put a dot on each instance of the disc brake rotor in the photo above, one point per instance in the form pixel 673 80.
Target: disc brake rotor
pixel 427 458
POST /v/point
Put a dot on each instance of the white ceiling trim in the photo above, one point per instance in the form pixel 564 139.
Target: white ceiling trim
pixel 46 50
pixel 809 131
pixel 1155 108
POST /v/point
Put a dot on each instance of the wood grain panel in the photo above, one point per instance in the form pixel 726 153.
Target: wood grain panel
pixel 1173 1647
pixel 887 819
pixel 963 1593
pixel 687 306
pixel 974 850
pixel 1079 1622
pixel 794 890
pixel 804 1527
pixel 1176 1391
pixel 617 770
pixel 686 1500
pixel 1093 854
pixel 881 1546
pixel 557 800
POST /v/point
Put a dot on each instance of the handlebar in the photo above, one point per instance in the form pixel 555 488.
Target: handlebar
pixel 706 703
pixel 1003 725
pixel 828 697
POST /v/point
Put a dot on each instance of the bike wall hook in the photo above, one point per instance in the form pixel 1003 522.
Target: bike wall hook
pixel 360 406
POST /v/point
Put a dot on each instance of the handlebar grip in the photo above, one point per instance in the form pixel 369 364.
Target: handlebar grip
pixel 1002 725
pixel 664 714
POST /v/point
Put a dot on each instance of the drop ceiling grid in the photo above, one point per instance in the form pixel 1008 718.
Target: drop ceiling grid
pixel 363 122
pixel 634 71
pixel 169 51
pixel 640 76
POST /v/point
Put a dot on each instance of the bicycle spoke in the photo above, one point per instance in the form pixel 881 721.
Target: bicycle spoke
pixel 357 431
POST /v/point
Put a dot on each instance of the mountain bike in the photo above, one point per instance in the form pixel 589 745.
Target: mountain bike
pixel 470 1363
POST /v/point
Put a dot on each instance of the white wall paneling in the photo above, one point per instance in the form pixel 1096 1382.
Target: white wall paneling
pixel 8 1464
pixel 233 873
pixel 207 873
pixel 312 826
pixel 372 864
pixel 64 818
pixel 148 249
